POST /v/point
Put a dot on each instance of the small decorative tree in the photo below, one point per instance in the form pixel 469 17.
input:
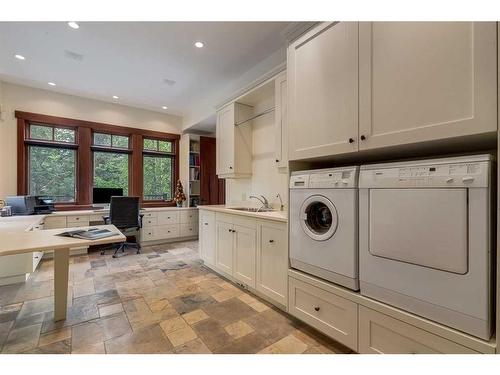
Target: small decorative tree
pixel 179 194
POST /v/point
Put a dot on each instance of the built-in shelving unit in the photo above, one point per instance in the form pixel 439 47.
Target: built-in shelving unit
pixel 190 169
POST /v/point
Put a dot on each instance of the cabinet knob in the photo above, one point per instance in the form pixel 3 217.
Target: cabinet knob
pixel 271 241
pixel 351 140
pixel 230 167
pixel 362 137
pixel 317 308
pixel 277 160
pixel 205 223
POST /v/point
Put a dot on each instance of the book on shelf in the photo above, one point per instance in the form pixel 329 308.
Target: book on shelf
pixel 194 146
pixel 194 160
pixel 194 174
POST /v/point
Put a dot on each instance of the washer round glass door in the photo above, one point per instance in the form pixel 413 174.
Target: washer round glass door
pixel 318 217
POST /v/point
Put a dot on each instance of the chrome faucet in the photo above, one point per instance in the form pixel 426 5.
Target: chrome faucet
pixel 264 201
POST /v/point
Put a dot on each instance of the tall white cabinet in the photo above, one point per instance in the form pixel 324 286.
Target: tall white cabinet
pixel 322 71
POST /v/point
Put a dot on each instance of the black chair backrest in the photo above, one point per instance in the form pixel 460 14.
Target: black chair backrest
pixel 124 212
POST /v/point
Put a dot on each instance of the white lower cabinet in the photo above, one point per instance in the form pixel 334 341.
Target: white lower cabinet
pixel 379 333
pixel 245 246
pixel 252 252
pixel 224 246
pixel 169 224
pixel 207 237
pixel 272 261
pixel 333 315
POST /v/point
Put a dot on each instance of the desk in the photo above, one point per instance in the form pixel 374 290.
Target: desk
pixel 17 237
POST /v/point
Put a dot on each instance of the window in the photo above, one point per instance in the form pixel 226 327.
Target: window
pixel 51 154
pixel 111 140
pixel 158 169
pixel 157 178
pixel 64 158
pixel 111 170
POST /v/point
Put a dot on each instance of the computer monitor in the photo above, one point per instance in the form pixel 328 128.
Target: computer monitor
pixel 103 195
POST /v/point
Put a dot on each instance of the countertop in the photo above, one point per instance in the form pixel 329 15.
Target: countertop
pixel 271 215
pixel 17 236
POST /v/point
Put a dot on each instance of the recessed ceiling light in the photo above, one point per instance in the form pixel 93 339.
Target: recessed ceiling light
pixel 20 57
pixel 164 107
pixel 115 97
pixel 199 44
pixel 52 84
pixel 73 25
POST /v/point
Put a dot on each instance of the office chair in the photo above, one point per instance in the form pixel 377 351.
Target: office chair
pixel 124 215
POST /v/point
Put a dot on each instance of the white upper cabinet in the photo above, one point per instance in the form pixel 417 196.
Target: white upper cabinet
pixel 423 81
pixel 322 72
pixel 234 143
pixel 280 118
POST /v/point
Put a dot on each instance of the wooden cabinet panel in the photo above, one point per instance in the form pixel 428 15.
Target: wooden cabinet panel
pixel 189 229
pixel 423 81
pixel 54 222
pixel 188 216
pixel 207 236
pixel 333 315
pixel 379 333
pixel 272 261
pixel 224 246
pixel 323 91
pixel 245 244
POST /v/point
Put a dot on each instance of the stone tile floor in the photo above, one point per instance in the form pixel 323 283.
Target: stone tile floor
pixel 161 301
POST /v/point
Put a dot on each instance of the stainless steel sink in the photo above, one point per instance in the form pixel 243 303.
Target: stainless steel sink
pixel 251 209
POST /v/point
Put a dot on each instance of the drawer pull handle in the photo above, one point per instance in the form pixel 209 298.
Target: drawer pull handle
pixel 351 140
pixel 205 223
pixel 362 137
pixel 271 241
pixel 317 308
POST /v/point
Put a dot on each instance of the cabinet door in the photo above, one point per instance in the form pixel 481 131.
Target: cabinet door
pixel 245 244
pixel 280 118
pixel 422 81
pixel 272 262
pixel 207 236
pixel 225 140
pixel 322 81
pixel 224 246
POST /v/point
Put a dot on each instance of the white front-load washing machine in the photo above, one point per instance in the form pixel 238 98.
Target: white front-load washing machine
pixel 324 224
pixel 425 239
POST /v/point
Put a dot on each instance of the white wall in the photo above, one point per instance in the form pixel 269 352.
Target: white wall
pixel 22 98
pixel 266 178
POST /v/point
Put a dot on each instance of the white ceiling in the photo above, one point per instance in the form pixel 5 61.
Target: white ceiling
pixel 132 59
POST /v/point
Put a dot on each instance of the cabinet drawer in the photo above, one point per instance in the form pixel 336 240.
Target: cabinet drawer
pixel 77 219
pixel 54 222
pixel 188 230
pixel 379 333
pixel 166 231
pixel 147 234
pixel 149 214
pixel 189 216
pixel 97 217
pixel 335 316
pixel 168 217
pixel 149 221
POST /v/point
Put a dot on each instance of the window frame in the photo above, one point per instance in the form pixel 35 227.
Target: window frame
pixel 171 155
pixel 84 131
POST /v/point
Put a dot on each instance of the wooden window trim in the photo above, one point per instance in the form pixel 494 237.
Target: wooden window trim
pixel 83 144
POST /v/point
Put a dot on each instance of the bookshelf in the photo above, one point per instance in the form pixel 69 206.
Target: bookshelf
pixel 190 168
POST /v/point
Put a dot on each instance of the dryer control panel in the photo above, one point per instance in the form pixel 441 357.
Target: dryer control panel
pixel 454 173
pixel 337 178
